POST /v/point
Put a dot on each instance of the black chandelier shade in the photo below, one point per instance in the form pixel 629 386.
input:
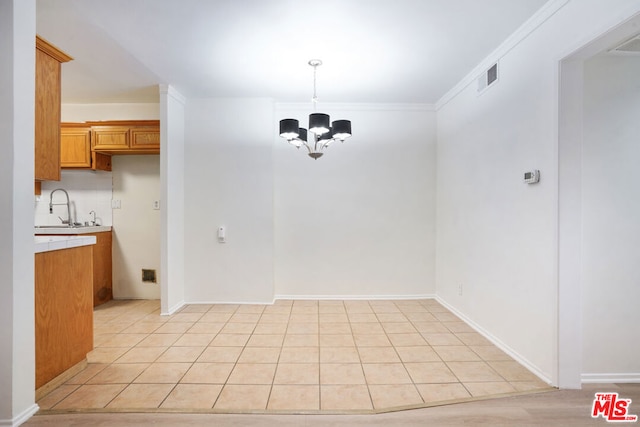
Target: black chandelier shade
pixel 341 129
pixel 289 128
pixel 319 125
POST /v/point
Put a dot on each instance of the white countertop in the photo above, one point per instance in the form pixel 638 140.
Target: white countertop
pixel 54 243
pixel 46 230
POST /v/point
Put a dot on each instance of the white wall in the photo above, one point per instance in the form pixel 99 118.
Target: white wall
pixel 110 111
pixel 136 225
pixel 88 191
pixel 610 219
pixel 17 334
pixel 359 221
pixel 497 236
pixel 228 181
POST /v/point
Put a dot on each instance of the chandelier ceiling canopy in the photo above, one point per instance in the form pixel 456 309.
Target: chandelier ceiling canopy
pixel 321 133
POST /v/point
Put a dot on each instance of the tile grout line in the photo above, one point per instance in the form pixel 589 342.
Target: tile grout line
pixel 275 372
pixel 415 387
pixel 192 363
pixel 239 355
pixel 373 406
pixel 459 381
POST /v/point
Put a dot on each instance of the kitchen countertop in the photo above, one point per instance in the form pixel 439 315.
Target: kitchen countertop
pixel 54 243
pixel 49 229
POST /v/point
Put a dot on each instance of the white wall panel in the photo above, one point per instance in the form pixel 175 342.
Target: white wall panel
pixel 610 219
pixel 497 237
pixel 359 221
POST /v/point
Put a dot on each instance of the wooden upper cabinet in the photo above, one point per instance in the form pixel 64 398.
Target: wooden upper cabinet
pixel 145 138
pixel 110 138
pixel 75 147
pixel 47 110
pixel 91 144
pixel 125 137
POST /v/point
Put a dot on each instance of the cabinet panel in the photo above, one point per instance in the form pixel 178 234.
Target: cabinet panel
pixel 110 138
pixel 63 311
pixel 102 269
pixel 100 161
pixel 47 118
pixel 75 147
pixel 145 139
pixel 47 110
pixel 101 287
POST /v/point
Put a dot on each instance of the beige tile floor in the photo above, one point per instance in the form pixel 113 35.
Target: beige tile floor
pixel 301 356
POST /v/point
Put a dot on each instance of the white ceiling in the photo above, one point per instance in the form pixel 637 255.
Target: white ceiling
pixel 374 51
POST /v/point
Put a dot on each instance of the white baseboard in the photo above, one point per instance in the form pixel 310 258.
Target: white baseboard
pixel 173 309
pixel 498 343
pixel 230 302
pixel 22 417
pixel 311 297
pixel 354 297
pixel 610 378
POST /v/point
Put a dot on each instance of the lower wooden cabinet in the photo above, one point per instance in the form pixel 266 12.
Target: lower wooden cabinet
pixel 102 275
pixel 63 310
pixel 102 268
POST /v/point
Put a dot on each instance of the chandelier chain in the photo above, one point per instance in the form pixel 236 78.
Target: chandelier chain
pixel 315 96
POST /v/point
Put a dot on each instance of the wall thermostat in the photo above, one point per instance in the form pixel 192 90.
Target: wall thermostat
pixel 532 177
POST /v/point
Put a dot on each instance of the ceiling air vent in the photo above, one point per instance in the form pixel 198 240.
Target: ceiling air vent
pixel 488 78
pixel 631 46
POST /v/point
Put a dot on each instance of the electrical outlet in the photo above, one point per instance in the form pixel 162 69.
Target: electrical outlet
pixel 460 289
pixel 116 204
pixel 156 205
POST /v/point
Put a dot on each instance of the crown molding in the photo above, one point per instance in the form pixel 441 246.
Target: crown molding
pixel 307 106
pixel 51 50
pixel 540 17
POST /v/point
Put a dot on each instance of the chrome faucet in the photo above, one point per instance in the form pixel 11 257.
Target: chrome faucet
pixel 51 205
pixel 94 217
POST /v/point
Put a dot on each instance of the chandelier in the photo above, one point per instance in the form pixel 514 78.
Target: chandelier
pixel 320 134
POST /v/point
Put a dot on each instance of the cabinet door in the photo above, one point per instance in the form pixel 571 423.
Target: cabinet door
pixel 47 118
pixel 102 269
pixel 110 138
pixel 145 138
pixel 100 161
pixel 63 311
pixel 75 147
